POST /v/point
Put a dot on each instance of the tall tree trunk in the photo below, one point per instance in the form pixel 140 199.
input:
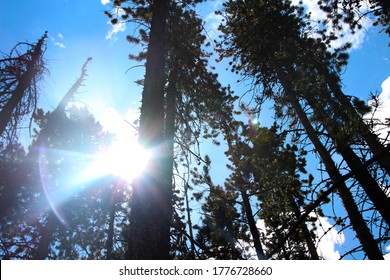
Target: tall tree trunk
pixel 25 81
pixel 189 222
pixel 246 202
pixel 368 183
pixel 151 203
pixel 309 240
pixel 379 151
pixel 252 225
pixel 111 221
pixel 46 233
pixel 360 227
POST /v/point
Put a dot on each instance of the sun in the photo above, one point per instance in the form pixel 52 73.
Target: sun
pixel 124 158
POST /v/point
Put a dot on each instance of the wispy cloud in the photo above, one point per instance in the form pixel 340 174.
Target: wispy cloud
pixel 382 114
pixel 58 41
pixel 327 239
pixel 121 124
pixel 212 21
pixel 115 28
pixel 120 26
pixel 105 2
pixel 387 255
pixel 61 45
pixel 345 35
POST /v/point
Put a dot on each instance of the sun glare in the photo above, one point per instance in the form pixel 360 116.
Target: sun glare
pixel 125 158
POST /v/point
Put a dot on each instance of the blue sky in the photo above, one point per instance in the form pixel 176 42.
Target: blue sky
pixel 79 29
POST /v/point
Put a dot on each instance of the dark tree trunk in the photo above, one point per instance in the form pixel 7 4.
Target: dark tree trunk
pixel 111 220
pixel 25 81
pixel 46 233
pixel 306 233
pixel 362 231
pixel 379 151
pixel 375 193
pixel 151 203
pixel 252 225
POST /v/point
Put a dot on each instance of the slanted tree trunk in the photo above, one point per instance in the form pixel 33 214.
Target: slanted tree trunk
pixel 7 200
pixel 151 202
pixel 362 231
pixel 379 151
pixel 252 225
pixel 368 183
pixel 25 81
pixel 306 233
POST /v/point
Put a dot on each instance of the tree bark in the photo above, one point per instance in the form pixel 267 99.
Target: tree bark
pixel 151 202
pixel 368 183
pixel 252 225
pixel 25 81
pixel 364 131
pixel 309 240
pixel 46 236
pixel 360 227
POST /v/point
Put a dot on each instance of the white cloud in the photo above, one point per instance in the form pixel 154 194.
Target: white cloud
pixel 105 2
pixel 387 255
pixel 61 45
pixel 58 41
pixel 356 38
pixel 114 122
pixel 212 21
pixel 116 28
pixel 383 112
pixel 313 8
pixel 119 27
pixel 326 243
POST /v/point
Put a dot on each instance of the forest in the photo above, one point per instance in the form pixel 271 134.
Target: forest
pixel 325 156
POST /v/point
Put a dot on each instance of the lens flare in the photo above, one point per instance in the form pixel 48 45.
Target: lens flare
pixel 124 159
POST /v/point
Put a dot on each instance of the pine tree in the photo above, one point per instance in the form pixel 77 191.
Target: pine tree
pixel 266 41
pixel 220 234
pixel 266 169
pixel 20 73
pixel 352 12
pixel 192 95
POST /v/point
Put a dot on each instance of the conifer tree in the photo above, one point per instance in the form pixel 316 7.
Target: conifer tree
pixel 20 73
pixel 351 13
pixel 267 42
pixel 192 95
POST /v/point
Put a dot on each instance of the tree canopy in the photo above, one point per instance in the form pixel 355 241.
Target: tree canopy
pixel 320 161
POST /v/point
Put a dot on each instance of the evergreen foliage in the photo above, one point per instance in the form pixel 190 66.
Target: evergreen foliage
pixel 268 207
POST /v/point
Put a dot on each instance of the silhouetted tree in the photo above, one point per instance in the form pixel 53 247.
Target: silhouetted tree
pixel 20 74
